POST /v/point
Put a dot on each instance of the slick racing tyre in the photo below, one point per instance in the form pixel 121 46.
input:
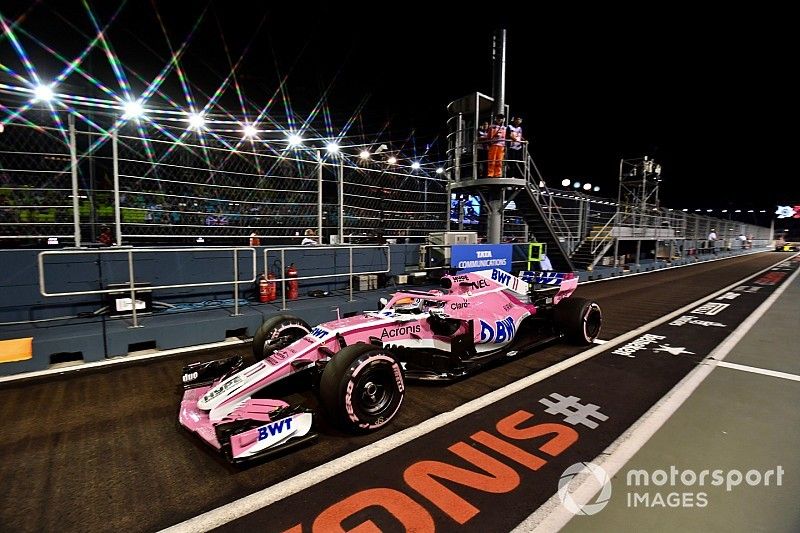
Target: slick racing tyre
pixel 362 387
pixel 579 320
pixel 276 333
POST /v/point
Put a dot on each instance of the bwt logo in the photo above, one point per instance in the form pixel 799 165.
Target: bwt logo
pixel 503 330
pixel 274 428
pixel 501 277
pixel 485 254
pixel 319 332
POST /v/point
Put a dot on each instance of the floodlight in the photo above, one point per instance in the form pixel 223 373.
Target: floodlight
pixel 43 93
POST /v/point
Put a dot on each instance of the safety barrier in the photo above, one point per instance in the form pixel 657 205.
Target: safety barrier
pixel 130 254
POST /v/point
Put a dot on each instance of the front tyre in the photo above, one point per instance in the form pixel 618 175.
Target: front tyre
pixel 362 387
pixel 276 333
pixel 579 320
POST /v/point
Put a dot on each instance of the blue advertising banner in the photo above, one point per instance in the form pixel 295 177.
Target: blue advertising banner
pixel 472 257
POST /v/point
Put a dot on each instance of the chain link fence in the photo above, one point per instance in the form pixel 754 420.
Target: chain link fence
pixel 171 186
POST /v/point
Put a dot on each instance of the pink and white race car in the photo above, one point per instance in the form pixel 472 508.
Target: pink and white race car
pixel 361 363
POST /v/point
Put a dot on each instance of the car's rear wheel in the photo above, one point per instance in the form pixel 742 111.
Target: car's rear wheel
pixel 362 387
pixel 276 333
pixel 579 320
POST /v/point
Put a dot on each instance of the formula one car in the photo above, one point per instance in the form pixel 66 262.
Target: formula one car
pixel 361 363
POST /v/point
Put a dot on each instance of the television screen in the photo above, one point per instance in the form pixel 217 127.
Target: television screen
pixel 472 208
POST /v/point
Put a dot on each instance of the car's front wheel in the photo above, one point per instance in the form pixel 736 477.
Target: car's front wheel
pixel 276 333
pixel 362 387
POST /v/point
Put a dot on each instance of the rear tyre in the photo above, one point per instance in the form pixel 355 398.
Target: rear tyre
pixel 362 387
pixel 276 333
pixel 579 320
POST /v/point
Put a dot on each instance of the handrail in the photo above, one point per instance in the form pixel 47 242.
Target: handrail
pixel 131 278
pixel 559 222
pixel 593 250
pixel 349 273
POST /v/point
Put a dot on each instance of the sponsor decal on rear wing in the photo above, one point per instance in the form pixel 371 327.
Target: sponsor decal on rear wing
pixel 545 278
pixel 510 281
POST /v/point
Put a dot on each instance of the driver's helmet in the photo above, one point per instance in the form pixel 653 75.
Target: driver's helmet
pixel 408 305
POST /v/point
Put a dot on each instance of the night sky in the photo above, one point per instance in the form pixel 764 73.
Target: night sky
pixel 704 93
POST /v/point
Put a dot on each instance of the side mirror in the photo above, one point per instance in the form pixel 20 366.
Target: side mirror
pixel 382 303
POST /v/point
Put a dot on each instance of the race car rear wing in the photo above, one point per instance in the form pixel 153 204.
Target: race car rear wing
pixel 548 284
pixel 524 285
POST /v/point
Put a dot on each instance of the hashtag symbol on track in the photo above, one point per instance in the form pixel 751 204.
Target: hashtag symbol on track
pixel 573 410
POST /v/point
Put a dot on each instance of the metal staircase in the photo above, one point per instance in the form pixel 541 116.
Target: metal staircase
pixel 589 252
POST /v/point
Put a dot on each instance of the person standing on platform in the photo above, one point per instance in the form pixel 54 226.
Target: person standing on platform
pixel 515 161
pixel 497 147
pixel 712 241
pixel 482 148
pixel 743 241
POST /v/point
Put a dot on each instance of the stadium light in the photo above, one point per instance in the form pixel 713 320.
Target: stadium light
pixel 132 110
pixel 43 93
pixel 587 186
pixel 440 170
pixel 332 148
pixel 250 131
pixel 565 182
pixel 577 184
pixel 392 160
pixel 295 140
pixel 596 188
pixel 415 165
pixel 364 154
pixel 196 121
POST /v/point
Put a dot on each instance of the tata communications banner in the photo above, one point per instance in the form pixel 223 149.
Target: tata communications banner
pixel 472 257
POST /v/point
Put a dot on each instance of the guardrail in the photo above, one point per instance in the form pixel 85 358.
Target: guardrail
pixel 349 273
pixel 130 253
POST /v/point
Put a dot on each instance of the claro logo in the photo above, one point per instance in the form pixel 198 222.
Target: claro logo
pixel 399 332
pixel 493 462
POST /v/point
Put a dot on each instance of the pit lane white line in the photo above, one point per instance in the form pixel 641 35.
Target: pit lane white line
pixel 552 515
pixel 258 500
pixel 762 371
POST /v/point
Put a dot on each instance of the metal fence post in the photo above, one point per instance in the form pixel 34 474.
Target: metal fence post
pixel 133 289
pixel 115 161
pixel 319 196
pixel 341 200
pixel 73 156
pixel 283 279
pixel 235 282
pixel 351 273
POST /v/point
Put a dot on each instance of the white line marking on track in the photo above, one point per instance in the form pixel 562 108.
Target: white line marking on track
pixel 762 371
pixel 552 515
pixel 269 495
pixel 599 341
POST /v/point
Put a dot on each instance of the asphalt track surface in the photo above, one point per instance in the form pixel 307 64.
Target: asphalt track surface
pixel 102 450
